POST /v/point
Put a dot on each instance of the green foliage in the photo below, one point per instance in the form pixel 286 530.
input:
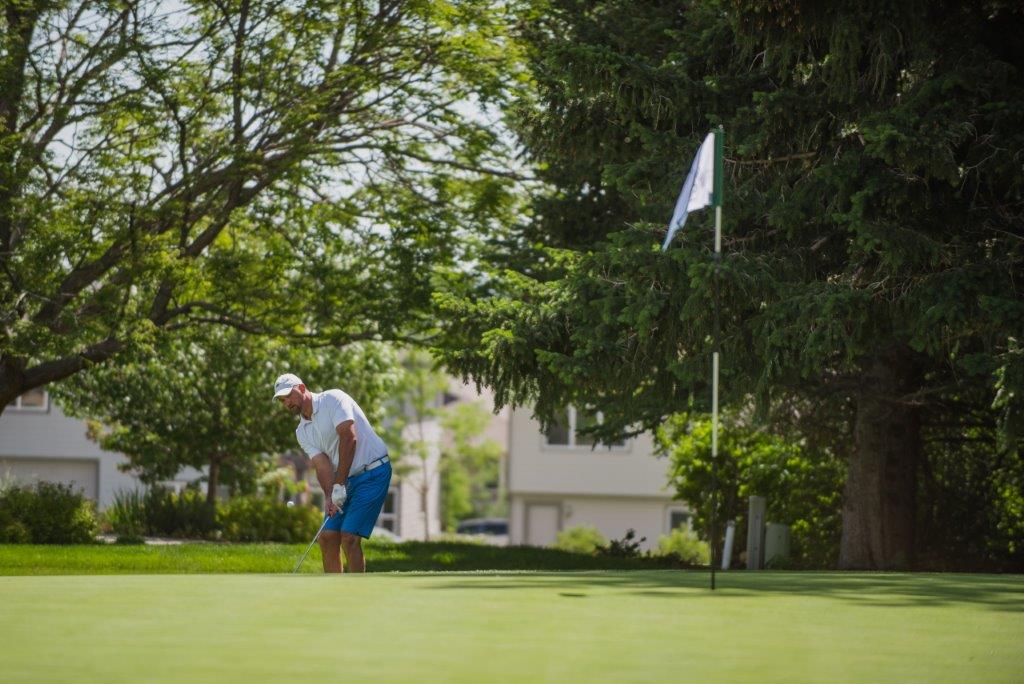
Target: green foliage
pixel 240 519
pixel 127 514
pixel 470 464
pixel 382 556
pixel 185 514
pixel 802 487
pixel 130 540
pixel 971 503
pixel 13 531
pixel 872 215
pixel 416 394
pixel 456 501
pixel 417 407
pixel 253 518
pixel 684 544
pixel 580 539
pixel 627 547
pixel 213 167
pixel 466 463
pixel 46 513
pixel 278 484
pixel 203 400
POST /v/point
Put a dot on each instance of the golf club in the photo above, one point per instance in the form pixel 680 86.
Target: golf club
pixel 299 564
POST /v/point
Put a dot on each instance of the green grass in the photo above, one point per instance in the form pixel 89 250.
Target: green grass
pixel 636 626
pixel 272 558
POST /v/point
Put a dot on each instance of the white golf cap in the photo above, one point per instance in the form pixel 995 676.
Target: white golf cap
pixel 285 383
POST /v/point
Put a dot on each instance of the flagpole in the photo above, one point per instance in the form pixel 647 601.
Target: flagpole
pixel 697 181
pixel 719 145
pixel 714 396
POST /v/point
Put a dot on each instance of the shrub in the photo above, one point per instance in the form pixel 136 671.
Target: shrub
pixel 127 515
pixel 684 544
pixel 252 518
pixel 47 513
pixel 130 539
pixel 803 486
pixel 580 539
pixel 179 515
pixel 12 531
pixel 623 548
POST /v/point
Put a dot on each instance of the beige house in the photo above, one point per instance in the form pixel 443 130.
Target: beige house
pixel 38 442
pixel 404 510
pixel 560 480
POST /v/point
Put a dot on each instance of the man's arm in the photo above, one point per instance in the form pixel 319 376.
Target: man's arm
pixel 325 476
pixel 346 449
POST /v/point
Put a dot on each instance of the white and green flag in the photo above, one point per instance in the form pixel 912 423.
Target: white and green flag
pixel 703 185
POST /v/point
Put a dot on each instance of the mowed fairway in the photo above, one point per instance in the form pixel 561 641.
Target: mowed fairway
pixel 649 626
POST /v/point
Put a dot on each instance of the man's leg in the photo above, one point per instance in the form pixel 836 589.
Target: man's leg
pixel 330 549
pixel 352 544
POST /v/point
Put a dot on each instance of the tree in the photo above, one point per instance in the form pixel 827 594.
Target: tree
pixel 419 387
pixel 470 464
pixel 874 241
pixel 802 486
pixel 204 400
pixel 296 168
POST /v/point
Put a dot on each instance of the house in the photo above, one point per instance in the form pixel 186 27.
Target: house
pixel 403 511
pixel 559 479
pixel 38 442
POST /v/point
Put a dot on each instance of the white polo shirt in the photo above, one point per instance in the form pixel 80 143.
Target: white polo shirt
pixel 319 434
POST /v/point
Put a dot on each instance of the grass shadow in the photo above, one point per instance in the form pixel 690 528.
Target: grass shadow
pixel 998 592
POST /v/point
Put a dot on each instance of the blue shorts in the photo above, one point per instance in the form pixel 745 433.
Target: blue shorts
pixel 366 494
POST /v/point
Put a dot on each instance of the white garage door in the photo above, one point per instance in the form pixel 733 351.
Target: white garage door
pixel 542 524
pixel 80 474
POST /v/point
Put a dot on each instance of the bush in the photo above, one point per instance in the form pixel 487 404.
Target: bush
pixel 623 548
pixel 47 513
pixel 803 486
pixel 12 531
pixel 683 543
pixel 251 518
pixel 127 515
pixel 179 515
pixel 580 539
pixel 129 539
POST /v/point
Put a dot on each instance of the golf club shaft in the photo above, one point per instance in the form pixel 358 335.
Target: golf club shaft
pixel 308 548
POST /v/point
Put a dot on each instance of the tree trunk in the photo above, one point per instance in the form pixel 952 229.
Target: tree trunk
pixel 424 502
pixel 212 481
pixel 879 502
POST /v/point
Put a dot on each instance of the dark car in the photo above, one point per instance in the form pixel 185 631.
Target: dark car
pixel 495 529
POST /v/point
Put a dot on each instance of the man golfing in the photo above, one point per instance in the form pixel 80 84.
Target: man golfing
pixel 351 462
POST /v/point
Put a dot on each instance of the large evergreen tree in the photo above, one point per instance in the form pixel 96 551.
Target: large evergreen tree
pixel 874 231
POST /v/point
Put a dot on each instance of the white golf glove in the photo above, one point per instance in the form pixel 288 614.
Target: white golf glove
pixel 338 495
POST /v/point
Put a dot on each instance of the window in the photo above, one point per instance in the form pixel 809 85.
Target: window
pixel 558 431
pixel 33 400
pixel 388 518
pixel 677 517
pixel 566 431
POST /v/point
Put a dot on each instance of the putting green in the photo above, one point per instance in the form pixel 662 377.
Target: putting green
pixel 658 626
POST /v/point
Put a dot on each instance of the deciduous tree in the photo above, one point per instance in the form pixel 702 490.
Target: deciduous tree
pixel 297 168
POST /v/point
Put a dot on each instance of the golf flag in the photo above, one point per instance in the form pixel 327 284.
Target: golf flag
pixel 703 185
